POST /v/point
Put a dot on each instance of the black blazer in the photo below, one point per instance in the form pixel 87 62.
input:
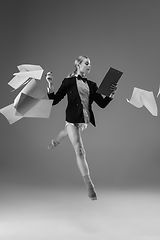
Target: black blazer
pixel 74 110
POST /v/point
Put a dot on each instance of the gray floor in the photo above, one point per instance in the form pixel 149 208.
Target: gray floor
pixel 58 214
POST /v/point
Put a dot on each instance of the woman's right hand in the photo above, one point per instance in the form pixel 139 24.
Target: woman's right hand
pixel 49 79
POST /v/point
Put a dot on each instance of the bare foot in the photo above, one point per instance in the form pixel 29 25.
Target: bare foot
pixel 53 144
pixel 92 193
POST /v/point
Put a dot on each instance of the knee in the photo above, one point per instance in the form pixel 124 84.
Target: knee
pixel 80 151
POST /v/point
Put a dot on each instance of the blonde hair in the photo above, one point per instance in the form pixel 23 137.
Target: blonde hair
pixel 78 61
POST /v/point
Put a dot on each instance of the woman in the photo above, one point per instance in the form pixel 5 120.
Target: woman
pixel 81 93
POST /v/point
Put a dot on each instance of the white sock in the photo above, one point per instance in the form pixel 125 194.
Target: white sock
pixel 88 181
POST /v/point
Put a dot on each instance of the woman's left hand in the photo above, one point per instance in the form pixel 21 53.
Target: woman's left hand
pixel 113 88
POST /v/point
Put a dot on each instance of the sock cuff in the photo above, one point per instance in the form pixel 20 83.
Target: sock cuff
pixel 87 180
pixel 87 177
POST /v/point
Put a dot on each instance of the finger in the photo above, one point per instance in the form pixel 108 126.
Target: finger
pixel 113 88
pixel 48 73
pixel 114 84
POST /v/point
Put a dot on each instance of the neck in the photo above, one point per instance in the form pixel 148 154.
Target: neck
pixel 82 74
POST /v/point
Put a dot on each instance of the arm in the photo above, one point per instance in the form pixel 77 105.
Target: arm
pixel 103 101
pixel 59 94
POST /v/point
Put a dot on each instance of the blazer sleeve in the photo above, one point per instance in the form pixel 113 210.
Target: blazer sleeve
pixel 99 99
pixel 60 94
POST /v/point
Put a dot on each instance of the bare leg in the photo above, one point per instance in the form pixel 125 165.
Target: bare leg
pixel 76 140
pixel 60 137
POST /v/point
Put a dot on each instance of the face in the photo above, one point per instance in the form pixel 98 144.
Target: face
pixel 85 66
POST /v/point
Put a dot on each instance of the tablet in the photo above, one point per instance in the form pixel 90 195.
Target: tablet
pixel 112 76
